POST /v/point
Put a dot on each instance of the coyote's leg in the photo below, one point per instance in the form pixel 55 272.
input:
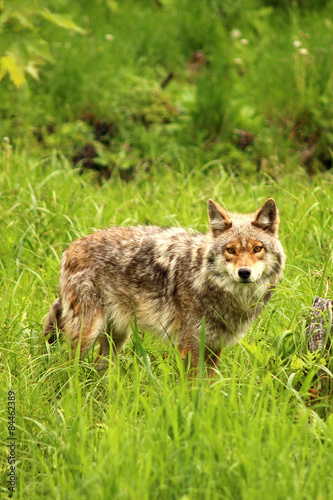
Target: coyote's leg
pixel 105 341
pixel 53 322
pixel 211 358
pixel 82 326
pixel 190 353
pixel 212 361
pixel 101 360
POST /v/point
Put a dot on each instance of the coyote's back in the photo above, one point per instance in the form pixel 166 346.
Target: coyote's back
pixel 169 279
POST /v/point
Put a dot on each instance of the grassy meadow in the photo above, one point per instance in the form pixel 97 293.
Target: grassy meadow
pixel 263 427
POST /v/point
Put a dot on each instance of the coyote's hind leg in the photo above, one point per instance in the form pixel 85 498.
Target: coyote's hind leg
pixel 212 362
pixel 102 359
pixel 117 341
pixel 53 323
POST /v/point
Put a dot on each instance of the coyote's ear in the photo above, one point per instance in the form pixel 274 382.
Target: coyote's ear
pixel 267 217
pixel 218 218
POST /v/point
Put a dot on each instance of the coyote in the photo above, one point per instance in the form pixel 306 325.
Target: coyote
pixel 167 280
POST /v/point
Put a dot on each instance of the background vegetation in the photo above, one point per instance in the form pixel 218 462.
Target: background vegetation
pixel 148 109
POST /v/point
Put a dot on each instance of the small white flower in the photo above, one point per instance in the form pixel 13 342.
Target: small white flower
pixel 297 44
pixel 303 52
pixel 238 61
pixel 244 41
pixel 109 37
pixel 235 34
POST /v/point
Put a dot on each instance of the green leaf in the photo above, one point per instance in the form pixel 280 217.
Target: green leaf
pixel 22 11
pixel 11 65
pixel 62 20
pixel 22 55
pixel 39 48
pixel 32 70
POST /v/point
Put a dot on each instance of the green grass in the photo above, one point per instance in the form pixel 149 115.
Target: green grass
pixel 263 428
pixel 142 430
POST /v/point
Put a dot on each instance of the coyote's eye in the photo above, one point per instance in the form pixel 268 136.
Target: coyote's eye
pixel 231 250
pixel 257 249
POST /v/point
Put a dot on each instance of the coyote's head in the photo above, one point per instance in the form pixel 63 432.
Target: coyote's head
pixel 245 248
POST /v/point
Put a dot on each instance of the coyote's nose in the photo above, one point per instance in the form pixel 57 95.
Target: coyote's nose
pixel 244 273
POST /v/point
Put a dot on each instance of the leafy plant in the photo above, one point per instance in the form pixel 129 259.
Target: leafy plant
pixel 22 49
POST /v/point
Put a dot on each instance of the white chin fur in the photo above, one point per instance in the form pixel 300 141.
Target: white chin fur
pixel 252 279
pixel 235 286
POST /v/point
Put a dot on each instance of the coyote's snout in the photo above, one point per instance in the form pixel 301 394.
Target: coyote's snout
pixel 171 278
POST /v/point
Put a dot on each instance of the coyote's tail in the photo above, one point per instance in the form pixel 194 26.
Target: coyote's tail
pixel 52 323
